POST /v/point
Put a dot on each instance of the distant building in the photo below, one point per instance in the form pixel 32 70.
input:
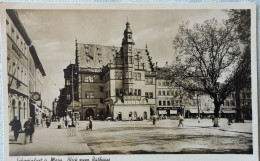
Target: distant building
pixel 169 99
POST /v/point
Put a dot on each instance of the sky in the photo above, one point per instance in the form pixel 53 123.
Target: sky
pixel 53 33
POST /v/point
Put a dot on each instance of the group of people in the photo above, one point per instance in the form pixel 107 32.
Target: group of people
pixel 65 122
pixel 180 118
pixel 17 128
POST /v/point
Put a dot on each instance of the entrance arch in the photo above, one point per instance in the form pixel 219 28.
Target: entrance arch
pixel 89 112
pixel 145 115
pixel 101 115
pixel 119 116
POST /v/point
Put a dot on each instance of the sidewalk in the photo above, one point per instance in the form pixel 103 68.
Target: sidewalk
pixel 49 141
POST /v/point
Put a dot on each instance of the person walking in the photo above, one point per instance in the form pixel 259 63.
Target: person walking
pixel 48 122
pixel 90 124
pixel 16 127
pixel 181 119
pixel 154 120
pixel 29 130
pixel 66 122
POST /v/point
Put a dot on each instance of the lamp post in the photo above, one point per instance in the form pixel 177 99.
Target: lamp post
pixel 198 107
pixel 181 96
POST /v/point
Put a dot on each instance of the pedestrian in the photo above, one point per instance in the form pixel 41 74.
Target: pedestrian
pixel 66 122
pixel 180 120
pixel 90 124
pixel 48 122
pixel 16 127
pixel 229 120
pixel 154 120
pixel 29 130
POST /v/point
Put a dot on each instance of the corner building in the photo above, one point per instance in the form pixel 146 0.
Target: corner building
pixel 110 81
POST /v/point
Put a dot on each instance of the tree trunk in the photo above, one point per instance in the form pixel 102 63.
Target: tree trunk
pixel 216 114
pixel 238 107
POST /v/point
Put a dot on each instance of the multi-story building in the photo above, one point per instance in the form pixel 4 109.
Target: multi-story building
pixel 169 99
pixel 22 64
pixel 18 43
pixel 111 81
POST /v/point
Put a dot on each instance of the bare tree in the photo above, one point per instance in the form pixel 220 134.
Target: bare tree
pixel 208 56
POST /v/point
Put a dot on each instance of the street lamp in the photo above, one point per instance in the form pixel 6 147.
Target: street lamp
pixel 198 107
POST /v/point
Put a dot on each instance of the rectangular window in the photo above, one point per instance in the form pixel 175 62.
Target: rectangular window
pixel 67 82
pixel 149 80
pixel 168 103
pixel 139 92
pixel 89 78
pixel 151 95
pixel 68 97
pixel 90 95
pixel 101 100
pixel 116 75
pixel 117 92
pixel 137 76
pixel 128 74
pixel 160 103
pixel 148 94
pixel 164 103
pixel 101 89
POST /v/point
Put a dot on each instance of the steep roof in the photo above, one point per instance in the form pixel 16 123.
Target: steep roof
pixel 97 56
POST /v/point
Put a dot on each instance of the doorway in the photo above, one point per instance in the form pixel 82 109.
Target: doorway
pixel 119 116
pixel 145 115
pixel 89 113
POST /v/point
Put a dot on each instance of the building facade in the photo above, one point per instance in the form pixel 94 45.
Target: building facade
pixel 109 81
pixel 22 66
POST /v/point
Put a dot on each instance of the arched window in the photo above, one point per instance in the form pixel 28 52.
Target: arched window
pixel 159 93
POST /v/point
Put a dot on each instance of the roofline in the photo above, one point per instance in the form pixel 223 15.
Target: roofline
pixel 37 60
pixel 18 24
pixel 108 46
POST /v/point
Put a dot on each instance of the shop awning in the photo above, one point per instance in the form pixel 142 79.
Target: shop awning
pixel 231 111
pixel 208 112
pixel 194 111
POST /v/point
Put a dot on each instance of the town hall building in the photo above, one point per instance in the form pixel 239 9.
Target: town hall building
pixel 109 81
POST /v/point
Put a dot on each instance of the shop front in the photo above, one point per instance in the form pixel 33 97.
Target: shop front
pixel 168 112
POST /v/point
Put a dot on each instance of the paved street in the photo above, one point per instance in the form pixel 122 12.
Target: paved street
pixel 51 141
pixel 167 137
pixel 132 137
